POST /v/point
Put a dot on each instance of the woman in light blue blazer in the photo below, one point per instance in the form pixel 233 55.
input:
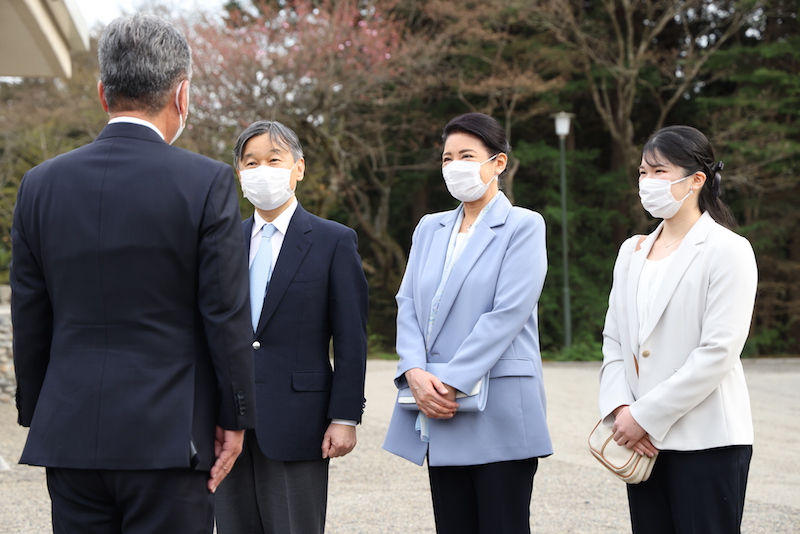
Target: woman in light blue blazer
pixel 672 383
pixel 468 301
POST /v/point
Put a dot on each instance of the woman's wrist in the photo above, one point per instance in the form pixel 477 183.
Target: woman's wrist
pixel 408 374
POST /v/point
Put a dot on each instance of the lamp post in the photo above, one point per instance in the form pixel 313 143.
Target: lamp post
pixel 562 131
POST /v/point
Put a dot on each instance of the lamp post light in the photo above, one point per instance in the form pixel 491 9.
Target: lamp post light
pixel 562 131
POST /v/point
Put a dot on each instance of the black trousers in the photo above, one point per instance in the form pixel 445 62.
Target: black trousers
pixel 698 492
pixel 483 499
pixel 159 501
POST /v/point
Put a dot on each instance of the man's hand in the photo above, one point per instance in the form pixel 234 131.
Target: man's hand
pixel 227 448
pixel 628 433
pixel 338 440
pixel 434 398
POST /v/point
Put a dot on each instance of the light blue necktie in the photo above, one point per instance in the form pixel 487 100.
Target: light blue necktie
pixel 260 272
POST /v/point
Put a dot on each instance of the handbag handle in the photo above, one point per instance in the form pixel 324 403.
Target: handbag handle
pixel 639 244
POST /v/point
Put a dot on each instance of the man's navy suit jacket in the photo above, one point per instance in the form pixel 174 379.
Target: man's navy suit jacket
pixel 130 306
pixel 317 293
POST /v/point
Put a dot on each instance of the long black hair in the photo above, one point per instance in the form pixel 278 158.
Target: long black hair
pixel 485 128
pixel 690 150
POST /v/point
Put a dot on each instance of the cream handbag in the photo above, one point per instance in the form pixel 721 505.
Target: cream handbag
pixel 626 464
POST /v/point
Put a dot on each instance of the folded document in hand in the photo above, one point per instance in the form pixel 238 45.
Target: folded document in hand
pixel 474 401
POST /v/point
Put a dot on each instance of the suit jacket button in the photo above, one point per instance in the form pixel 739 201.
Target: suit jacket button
pixel 256 345
pixel 645 354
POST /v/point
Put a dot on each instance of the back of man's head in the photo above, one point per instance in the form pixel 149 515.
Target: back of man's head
pixel 142 59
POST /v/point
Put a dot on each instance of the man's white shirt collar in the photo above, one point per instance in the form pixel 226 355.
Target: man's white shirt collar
pixel 140 122
pixel 281 222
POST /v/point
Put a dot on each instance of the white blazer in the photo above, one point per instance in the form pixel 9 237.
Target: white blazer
pixel 487 320
pixel 690 392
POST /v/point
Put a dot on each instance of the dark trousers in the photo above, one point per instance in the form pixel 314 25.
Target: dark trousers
pixel 483 499
pixel 160 501
pixel 698 492
pixel 265 496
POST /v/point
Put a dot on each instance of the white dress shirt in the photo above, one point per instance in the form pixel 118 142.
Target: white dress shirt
pixel 140 122
pixel 281 224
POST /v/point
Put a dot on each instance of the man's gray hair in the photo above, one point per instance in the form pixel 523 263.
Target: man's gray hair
pixel 142 60
pixel 282 136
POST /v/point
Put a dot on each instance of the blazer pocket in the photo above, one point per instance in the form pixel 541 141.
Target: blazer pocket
pixel 311 381
pixel 303 276
pixel 506 367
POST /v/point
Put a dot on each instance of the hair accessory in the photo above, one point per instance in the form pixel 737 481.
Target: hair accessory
pixel 718 166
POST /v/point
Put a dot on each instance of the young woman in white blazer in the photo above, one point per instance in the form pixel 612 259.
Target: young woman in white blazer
pixel 468 302
pixel 671 382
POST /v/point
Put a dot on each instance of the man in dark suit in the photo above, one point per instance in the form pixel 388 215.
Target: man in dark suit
pixel 130 307
pixel 307 287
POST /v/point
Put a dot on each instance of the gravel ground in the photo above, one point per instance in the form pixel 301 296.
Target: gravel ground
pixel 372 491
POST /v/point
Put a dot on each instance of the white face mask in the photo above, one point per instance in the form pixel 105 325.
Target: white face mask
pixel 463 179
pixel 266 187
pixel 178 105
pixel 657 199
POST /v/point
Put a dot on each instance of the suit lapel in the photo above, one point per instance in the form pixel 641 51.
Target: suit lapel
pixel 247 228
pixel 481 238
pixel 434 264
pixel 677 269
pixel 634 272
pixel 295 246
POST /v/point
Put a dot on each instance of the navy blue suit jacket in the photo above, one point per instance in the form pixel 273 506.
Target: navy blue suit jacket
pixel 130 306
pixel 317 293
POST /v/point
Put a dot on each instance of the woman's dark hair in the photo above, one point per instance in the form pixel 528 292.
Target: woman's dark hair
pixel 689 149
pixel 485 128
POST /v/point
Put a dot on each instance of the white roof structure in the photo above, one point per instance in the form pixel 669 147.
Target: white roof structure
pixel 38 36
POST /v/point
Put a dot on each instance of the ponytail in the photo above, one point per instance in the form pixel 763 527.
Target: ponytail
pixel 710 198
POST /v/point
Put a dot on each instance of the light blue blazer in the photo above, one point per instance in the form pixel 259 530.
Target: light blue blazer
pixel 487 320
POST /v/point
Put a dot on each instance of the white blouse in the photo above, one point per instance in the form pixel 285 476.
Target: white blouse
pixel 649 282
